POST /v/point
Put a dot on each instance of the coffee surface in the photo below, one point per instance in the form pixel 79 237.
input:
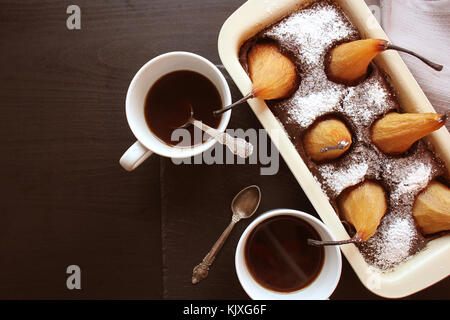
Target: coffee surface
pixel 170 99
pixel 278 255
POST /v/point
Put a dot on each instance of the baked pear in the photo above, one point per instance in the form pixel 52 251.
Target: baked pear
pixel 348 62
pixel 327 140
pixel 363 207
pixel 273 75
pixel 396 132
pixel 431 209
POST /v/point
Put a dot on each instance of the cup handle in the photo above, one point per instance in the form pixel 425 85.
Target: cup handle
pixel 134 156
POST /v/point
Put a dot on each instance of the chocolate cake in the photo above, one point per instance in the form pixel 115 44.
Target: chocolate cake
pixel 306 36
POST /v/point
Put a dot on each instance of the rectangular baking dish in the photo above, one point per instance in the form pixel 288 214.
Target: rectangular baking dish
pixel 423 269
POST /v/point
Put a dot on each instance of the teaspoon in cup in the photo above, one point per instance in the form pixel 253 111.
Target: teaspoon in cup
pixel 237 146
pixel 243 206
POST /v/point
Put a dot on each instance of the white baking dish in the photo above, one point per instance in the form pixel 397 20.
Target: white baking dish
pixel 423 269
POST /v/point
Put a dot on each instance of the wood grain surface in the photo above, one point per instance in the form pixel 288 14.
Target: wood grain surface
pixel 64 198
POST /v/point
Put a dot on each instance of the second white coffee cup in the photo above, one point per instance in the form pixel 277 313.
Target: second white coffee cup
pixel 320 289
pixel 147 143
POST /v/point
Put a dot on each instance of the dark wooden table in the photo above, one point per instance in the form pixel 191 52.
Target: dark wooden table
pixel 64 198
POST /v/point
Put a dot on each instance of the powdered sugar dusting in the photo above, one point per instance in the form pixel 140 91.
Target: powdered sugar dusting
pixel 304 109
pixel 416 177
pixel 311 31
pixel 354 167
pixel 396 244
pixel 368 100
pixel 338 180
pixel 407 176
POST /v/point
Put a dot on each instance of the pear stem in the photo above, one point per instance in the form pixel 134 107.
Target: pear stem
pixel 242 100
pixel 340 146
pixel 445 116
pixel 433 65
pixel 320 243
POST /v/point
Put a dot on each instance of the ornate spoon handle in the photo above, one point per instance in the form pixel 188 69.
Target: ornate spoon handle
pixel 200 271
pixel 238 146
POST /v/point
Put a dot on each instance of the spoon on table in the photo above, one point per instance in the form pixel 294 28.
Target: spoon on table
pixel 237 146
pixel 243 206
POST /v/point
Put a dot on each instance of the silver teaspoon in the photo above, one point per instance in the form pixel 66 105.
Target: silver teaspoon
pixel 238 146
pixel 243 206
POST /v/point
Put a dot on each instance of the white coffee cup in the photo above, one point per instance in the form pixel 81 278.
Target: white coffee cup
pixel 147 143
pixel 320 289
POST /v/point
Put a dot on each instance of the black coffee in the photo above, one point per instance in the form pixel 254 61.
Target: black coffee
pixel 278 255
pixel 168 102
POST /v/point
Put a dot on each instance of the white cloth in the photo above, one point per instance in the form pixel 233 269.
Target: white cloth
pixel 424 27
